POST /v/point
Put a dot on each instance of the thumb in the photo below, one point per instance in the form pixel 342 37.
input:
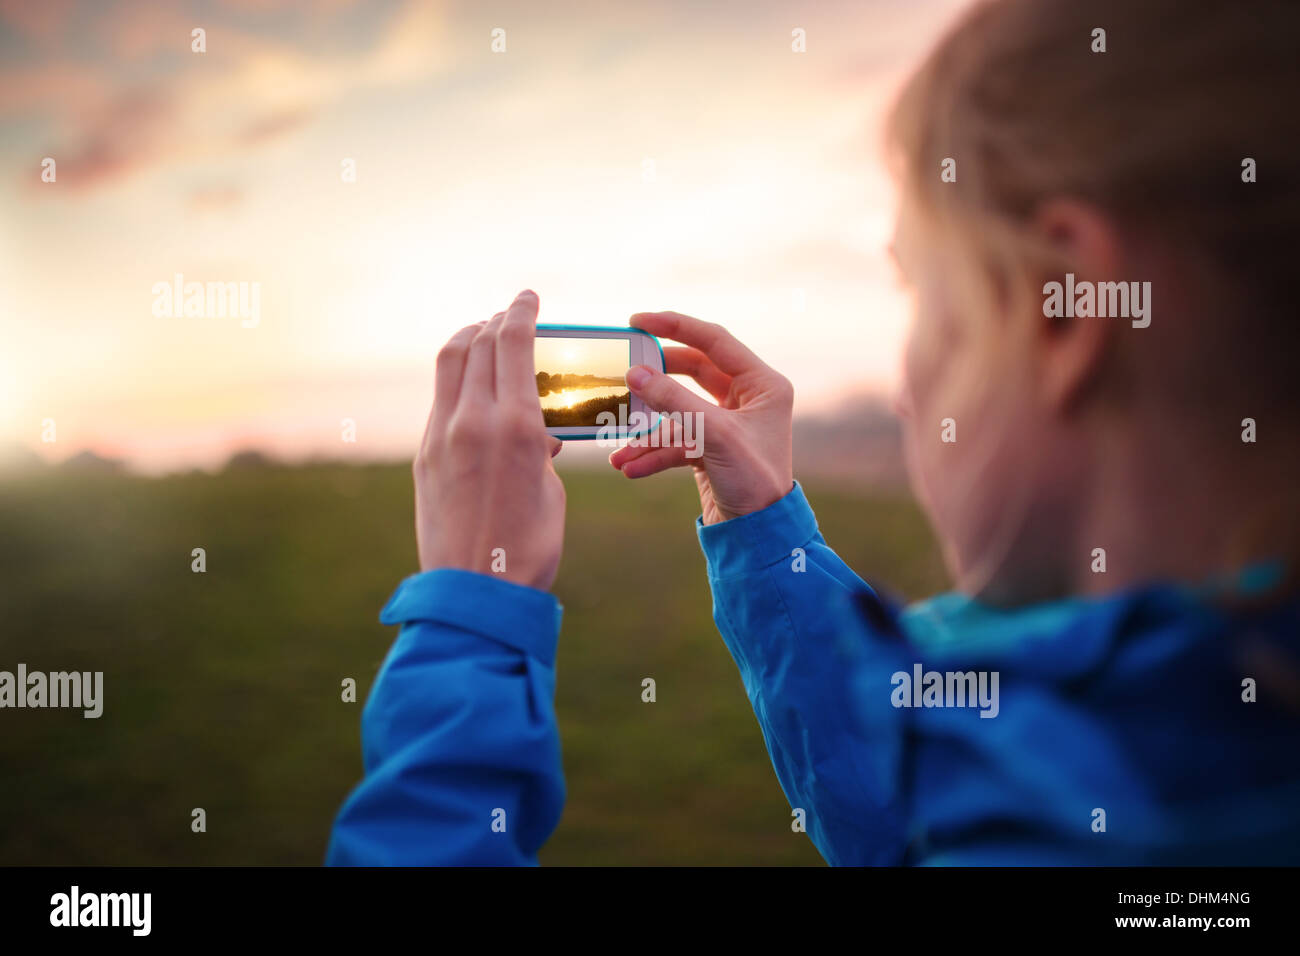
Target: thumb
pixel 663 394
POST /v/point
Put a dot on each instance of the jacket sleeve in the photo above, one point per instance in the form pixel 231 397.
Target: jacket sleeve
pixel 816 648
pixel 458 736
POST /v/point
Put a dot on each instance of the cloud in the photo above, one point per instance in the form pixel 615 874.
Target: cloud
pixel 39 20
pixel 136 30
pixel 272 126
pixel 130 132
pixel 54 90
pixel 216 198
pixel 146 100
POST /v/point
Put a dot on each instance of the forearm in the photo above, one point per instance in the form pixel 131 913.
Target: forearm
pixel 459 739
pixel 815 647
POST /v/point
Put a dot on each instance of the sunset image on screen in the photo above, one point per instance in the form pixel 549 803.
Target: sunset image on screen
pixel 577 379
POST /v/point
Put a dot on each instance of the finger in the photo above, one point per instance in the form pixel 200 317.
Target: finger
pixel 629 453
pixel 723 349
pixel 451 367
pixel 657 460
pixel 446 383
pixel 662 394
pixel 693 362
pixel 556 445
pixel 478 383
pixel 667 434
pixel 621 456
pixel 516 369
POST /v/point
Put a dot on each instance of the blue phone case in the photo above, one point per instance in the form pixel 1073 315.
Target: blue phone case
pixel 608 328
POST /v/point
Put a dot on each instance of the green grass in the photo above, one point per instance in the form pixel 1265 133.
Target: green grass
pixel 222 690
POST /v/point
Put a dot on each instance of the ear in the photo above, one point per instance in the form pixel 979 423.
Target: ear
pixel 1081 240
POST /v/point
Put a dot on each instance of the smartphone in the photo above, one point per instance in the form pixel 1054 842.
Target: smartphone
pixel 581 384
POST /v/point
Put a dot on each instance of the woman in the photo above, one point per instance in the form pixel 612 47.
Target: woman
pixel 1113 678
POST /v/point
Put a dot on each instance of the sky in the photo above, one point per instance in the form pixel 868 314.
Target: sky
pixel 582 356
pixel 373 176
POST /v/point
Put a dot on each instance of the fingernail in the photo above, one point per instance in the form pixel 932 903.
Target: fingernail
pixel 526 292
pixel 637 376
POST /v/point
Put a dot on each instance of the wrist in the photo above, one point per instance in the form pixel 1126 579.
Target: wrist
pixel 758 539
pixel 496 564
pixel 759 499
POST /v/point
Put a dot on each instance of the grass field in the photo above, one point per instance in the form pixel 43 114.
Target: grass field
pixel 222 689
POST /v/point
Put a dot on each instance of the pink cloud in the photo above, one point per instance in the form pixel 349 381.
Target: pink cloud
pixel 40 20
pixel 130 132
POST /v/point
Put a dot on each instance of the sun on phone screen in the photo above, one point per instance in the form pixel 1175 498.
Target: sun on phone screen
pixel 577 379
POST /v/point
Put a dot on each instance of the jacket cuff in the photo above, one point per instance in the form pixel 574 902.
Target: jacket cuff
pixel 517 616
pixel 759 539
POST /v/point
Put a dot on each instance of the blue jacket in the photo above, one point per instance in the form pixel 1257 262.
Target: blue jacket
pixel 1095 731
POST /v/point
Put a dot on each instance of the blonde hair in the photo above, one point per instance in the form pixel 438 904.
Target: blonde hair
pixel 1153 132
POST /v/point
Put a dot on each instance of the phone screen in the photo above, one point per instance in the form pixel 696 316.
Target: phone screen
pixel 578 378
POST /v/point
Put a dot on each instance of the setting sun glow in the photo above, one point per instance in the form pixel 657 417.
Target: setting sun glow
pixel 383 187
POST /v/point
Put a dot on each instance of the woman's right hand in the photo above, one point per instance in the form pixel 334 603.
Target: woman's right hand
pixel 743 461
